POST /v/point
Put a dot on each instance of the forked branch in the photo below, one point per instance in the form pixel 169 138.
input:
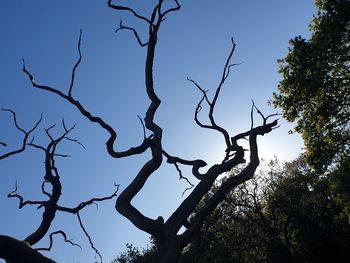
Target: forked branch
pixel 51 241
pixel 23 203
pixel 211 104
pixel 51 205
pixel 123 205
pixel 122 27
pixel 25 133
pixel 93 200
pixel 247 173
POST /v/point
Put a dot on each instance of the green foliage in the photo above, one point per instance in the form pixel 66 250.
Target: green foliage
pixel 136 255
pixel 285 214
pixel 315 89
pixel 288 214
pixel 339 183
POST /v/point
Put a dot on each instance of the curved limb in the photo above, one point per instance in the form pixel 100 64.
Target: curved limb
pixel 16 251
pixel 112 134
pixel 51 240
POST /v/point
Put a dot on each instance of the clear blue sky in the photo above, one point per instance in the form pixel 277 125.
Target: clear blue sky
pixel 193 42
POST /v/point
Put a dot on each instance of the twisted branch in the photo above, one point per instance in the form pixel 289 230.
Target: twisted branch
pixel 113 135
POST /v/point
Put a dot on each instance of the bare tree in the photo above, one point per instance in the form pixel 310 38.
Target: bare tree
pixel 16 251
pixel 12 249
pixel 170 241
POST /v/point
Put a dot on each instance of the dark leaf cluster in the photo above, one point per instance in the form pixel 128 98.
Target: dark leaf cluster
pixel 315 89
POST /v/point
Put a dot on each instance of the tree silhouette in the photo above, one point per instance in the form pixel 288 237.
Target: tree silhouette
pixel 315 90
pixel 169 238
pixel 14 250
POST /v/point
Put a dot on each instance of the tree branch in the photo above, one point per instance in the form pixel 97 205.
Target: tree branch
pixel 173 9
pixel 212 104
pixel 173 161
pixel 86 203
pixel 23 203
pixel 88 236
pixel 75 66
pixel 225 74
pixel 51 205
pixel 113 135
pixel 51 240
pixel 181 214
pixel 16 251
pixel 52 177
pixel 123 204
pixel 122 27
pixel 201 90
pixel 25 138
pixel 246 174
pixel 128 9
pixel 196 164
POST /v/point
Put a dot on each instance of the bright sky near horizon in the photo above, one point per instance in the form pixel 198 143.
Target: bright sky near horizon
pixel 193 42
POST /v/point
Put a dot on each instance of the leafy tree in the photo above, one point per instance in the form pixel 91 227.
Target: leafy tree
pixel 317 229
pixel 288 214
pixel 285 214
pixel 315 89
pixel 339 183
pixel 136 255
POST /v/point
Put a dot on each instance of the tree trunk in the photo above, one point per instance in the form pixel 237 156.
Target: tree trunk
pixel 168 250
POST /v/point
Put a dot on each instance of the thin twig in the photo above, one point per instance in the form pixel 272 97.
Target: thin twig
pixel 122 27
pixel 88 236
pixel 23 203
pixel 113 135
pixel 143 127
pixel 51 240
pixel 26 135
pixel 89 202
pixel 76 65
pixel 202 90
pixel 124 8
pixel 252 115
pixel 173 9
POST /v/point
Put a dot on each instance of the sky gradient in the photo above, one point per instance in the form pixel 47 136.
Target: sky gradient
pixel 193 42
